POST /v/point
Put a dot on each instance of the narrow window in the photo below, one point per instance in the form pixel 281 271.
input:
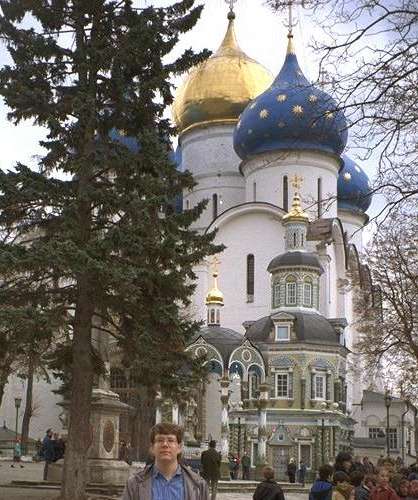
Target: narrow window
pixel 291 291
pixel 254 191
pixel 282 385
pixel 187 204
pixel 393 438
pixel 214 206
pixel 319 197
pixel 250 278
pixel 307 293
pixel 285 194
pixel 319 384
pixel 212 316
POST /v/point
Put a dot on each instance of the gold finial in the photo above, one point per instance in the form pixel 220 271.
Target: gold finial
pixel 296 212
pixel 215 296
pixel 231 13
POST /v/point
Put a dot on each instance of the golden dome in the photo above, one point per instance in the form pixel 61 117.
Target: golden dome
pixel 215 296
pixel 219 89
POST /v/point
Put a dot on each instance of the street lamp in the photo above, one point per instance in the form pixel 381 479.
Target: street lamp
pixel 18 402
pixel 388 402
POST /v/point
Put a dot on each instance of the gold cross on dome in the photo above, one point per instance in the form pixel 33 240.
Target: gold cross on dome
pixel 297 181
pixel 231 4
pixel 215 263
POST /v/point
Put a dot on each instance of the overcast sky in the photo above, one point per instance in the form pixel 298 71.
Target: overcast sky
pixel 261 34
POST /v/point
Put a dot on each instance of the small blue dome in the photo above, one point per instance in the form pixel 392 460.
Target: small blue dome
pixel 291 115
pixel 129 142
pixel 353 190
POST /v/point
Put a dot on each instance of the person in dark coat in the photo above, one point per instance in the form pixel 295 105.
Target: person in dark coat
pixel 322 487
pixel 268 489
pixel 291 470
pixel 246 466
pixel 211 465
pixel 302 473
pixel 48 451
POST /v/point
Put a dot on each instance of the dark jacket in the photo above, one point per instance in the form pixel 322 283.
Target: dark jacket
pixel 291 468
pixel 211 464
pixel 321 490
pixel 48 451
pixel 138 486
pixel 362 493
pixel 268 490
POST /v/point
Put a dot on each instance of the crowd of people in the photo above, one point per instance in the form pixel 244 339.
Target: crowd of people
pixel 359 479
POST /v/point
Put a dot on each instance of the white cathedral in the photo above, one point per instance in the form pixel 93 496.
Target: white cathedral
pixel 278 303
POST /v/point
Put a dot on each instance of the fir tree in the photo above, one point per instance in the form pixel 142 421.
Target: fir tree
pixel 100 246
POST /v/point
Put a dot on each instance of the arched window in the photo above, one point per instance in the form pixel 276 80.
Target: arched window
pixel 250 277
pixel 285 194
pixel 187 204
pixel 214 205
pixel 307 292
pixel 212 316
pixel 291 291
pixel 254 380
pixel 319 197
pixel 254 191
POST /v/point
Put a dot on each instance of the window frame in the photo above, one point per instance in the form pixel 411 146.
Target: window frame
pixel 276 328
pixel 291 282
pixel 281 373
pixel 393 438
pixel 322 376
pixel 307 282
pixel 374 432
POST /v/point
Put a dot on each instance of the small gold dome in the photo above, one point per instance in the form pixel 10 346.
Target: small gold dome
pixel 220 88
pixel 215 296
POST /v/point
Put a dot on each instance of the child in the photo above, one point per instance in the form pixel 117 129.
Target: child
pixel 343 489
pixel 383 490
pixel 17 454
pixel 322 487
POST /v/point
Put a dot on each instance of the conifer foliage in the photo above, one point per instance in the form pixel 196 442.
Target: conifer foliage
pixel 91 236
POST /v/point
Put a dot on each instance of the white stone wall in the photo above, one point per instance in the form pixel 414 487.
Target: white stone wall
pixel 257 231
pixel 208 153
pixel 353 225
pixel 268 170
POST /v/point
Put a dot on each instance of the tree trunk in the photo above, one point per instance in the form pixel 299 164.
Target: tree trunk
pixel 2 386
pixel 80 430
pixel 146 419
pixel 28 405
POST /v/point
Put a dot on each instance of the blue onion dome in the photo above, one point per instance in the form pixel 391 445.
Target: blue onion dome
pixel 291 115
pixel 353 190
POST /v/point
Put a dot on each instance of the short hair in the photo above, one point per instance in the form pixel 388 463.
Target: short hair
pixel 343 456
pixel 166 428
pixel 212 443
pixel 268 472
pixel 325 471
pixel 356 477
pixel 340 476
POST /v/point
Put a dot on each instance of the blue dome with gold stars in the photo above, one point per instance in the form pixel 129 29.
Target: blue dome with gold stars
pixel 291 115
pixel 353 190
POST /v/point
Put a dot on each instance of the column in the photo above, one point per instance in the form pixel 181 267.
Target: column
pixel 158 413
pixel 262 430
pixel 225 428
pixel 175 413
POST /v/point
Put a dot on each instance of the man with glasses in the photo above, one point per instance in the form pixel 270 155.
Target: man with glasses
pixel 166 478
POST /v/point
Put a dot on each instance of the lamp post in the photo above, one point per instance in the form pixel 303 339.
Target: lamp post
pixel 18 402
pixel 322 440
pixel 388 402
pixel 239 437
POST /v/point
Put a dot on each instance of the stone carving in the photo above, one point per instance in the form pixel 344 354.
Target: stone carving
pixel 108 436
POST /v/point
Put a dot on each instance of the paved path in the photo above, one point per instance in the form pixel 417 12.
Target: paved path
pixel 33 472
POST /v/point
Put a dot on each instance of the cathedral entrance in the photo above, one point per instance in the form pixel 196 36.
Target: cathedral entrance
pixel 280 456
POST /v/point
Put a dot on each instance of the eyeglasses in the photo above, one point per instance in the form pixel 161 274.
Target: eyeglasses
pixel 171 441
